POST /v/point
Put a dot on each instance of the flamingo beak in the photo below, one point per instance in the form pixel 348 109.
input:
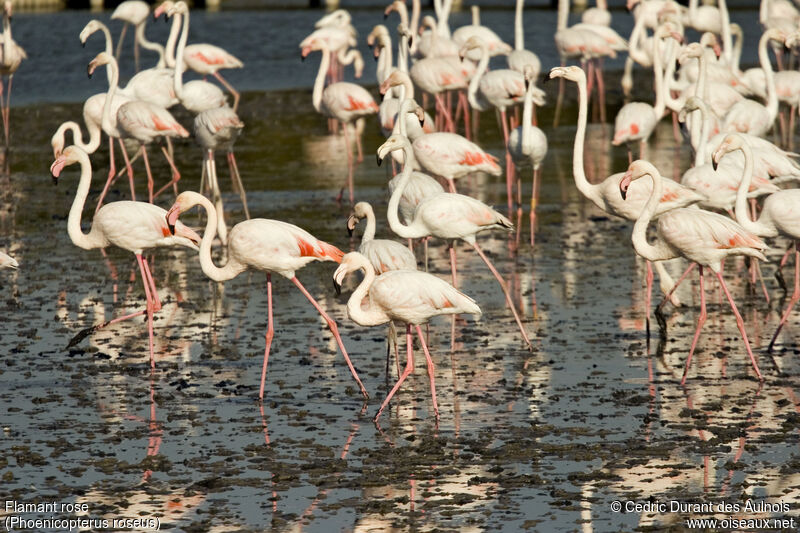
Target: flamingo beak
pixel 351 225
pixel 625 183
pixel 379 159
pixel 172 217
pixel 714 163
pixel 337 287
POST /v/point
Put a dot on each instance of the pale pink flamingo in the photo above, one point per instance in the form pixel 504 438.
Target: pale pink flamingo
pixel 780 215
pixel 706 239
pixel 11 56
pixel 196 95
pixel 451 156
pixel 132 226
pixel 383 254
pixel 436 76
pixel 605 194
pixel 749 116
pixel 398 78
pixel 500 88
pixel 636 121
pixel 218 129
pixel 269 246
pixel 528 144
pixel 344 101
pixel 6 261
pixel 447 216
pixel 135 13
pixel 519 57
pixel 138 120
pixel 703 18
pixel 598 15
pixel 152 85
pixel 407 296
pixel 338 42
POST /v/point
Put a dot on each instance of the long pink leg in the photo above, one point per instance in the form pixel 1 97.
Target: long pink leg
pixel 452 264
pixel 128 167
pixel 237 182
pixel 176 175
pixel 534 202
pixel 230 88
pixel 111 176
pixel 154 293
pixel 149 310
pixel 448 120
pixel 406 372
pixel 601 89
pixel 505 291
pixel 7 110
pixel 359 148
pixel 465 104
pixel 649 291
pixel 350 185
pixel 740 325
pixel 334 330
pixel 509 164
pixel 792 301
pixel 270 335
pixel 560 98
pixel 149 174
pixel 700 321
pixel 431 369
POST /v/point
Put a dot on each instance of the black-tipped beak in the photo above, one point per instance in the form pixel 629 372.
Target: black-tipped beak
pixel 55 180
pixel 83 44
pixel 546 79
pixel 410 40
pixel 337 288
pixel 624 193
pixel 714 164
pixel 302 57
pixel 378 159
pixel 89 72
pixel 385 16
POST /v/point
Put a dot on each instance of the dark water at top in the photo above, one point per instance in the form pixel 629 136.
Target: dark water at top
pixel 266 41
pixel 542 441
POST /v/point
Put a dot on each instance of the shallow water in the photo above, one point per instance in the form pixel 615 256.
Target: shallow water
pixel 543 441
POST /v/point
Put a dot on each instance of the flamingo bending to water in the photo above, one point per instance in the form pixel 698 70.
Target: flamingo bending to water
pixel 407 296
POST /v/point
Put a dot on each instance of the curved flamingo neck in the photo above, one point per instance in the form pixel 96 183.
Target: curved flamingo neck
pixel 519 34
pixel 108 125
pixel 639 237
pixel 472 92
pixel 369 231
pixel 232 268
pixel 658 72
pixel 727 40
pixel 563 15
pixel 93 239
pixel 587 189
pixel 145 43
pixel 319 82
pixel 705 121
pixel 169 52
pixel 669 76
pixel 415 12
pixel 766 64
pixel 385 58
pixel 355 308
pixel 77 136
pixel 178 69
pixel 413 230
pixel 736 57
pixel 636 52
pixel 741 210
pixel 443 26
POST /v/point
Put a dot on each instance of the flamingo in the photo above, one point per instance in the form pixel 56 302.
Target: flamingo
pixel 197 95
pixel 706 239
pixel 435 76
pixel 132 226
pixel 448 216
pixel 346 102
pixel 205 59
pixel 383 254
pixel 780 215
pixel 6 261
pixel 133 12
pixel 501 89
pixel 407 296
pixel 137 120
pixel 527 143
pixel 494 44
pixel 605 195
pixel 218 129
pixel 269 246
pixel 747 115
pixel 636 121
pixel 598 15
pixel 11 56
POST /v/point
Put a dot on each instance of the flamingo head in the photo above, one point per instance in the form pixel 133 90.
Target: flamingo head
pixel 360 211
pixel 70 155
pixel 100 59
pixel 792 40
pixel 376 37
pixel 165 7
pixel 350 263
pixel 636 170
pixel 393 80
pixel 731 143
pixel 185 201
pixel 8 9
pixel 691 50
pixel 572 73
pixel 179 7
pixel 91 27
pixel 708 39
pixel 57 142
pixel 337 19
pixel 395 142
pixel 693 103
pixel 631 4
pixel 428 23
pixel 473 43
